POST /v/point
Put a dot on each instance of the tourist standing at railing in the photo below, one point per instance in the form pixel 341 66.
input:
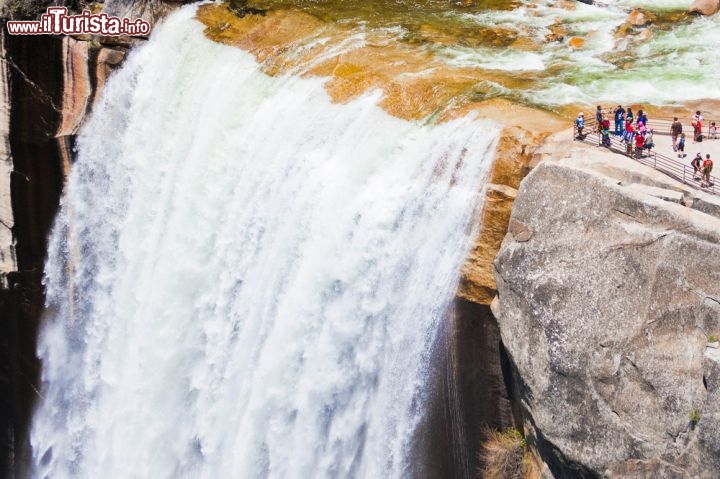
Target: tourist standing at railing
pixel 642 118
pixel 619 120
pixel 605 134
pixel 580 126
pixel 629 116
pixel 707 167
pixel 675 131
pixel 696 163
pixel 712 131
pixel 599 118
pixel 639 143
pixel 649 143
pixel 681 146
pixel 697 126
pixel 628 137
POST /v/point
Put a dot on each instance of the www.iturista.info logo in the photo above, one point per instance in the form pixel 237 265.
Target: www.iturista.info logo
pixel 57 22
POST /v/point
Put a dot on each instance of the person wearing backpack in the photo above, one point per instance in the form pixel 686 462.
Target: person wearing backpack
pixel 707 167
pixel 580 126
pixel 681 146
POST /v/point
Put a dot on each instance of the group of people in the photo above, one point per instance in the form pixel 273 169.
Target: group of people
pixel 638 137
pixel 678 137
pixel 697 123
pixel 634 131
pixel 702 169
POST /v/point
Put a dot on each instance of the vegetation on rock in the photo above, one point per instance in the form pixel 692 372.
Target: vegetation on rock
pixel 505 455
pixel 694 416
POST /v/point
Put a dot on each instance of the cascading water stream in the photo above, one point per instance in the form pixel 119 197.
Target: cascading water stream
pixel 246 280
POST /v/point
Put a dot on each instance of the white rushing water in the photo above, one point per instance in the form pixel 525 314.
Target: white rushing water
pixel 670 65
pixel 246 280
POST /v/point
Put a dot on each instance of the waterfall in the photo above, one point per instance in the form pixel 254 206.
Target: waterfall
pixel 245 279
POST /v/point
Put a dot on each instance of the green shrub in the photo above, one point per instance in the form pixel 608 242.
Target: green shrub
pixel 694 416
pixel 713 338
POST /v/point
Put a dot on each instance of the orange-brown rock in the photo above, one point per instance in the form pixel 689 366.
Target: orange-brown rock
pixel 525 43
pixel 567 4
pixel 576 42
pixel 513 157
pixel 415 84
pixel 266 37
pixel 476 276
pixel 498 37
pixel 108 59
pixel 77 88
pixel 637 18
pixel 432 34
pixel 645 35
pixel 705 7
pixel 557 33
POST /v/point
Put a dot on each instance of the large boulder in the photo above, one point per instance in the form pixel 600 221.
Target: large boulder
pixel 607 295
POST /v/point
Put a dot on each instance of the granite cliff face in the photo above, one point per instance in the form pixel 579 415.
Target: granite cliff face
pixel 48 85
pixel 608 298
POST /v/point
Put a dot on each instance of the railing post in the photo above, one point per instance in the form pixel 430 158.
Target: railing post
pixel 683 173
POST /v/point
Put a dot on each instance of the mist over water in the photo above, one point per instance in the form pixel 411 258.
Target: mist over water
pixel 246 280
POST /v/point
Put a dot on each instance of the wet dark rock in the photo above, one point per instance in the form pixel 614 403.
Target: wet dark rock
pixel 241 8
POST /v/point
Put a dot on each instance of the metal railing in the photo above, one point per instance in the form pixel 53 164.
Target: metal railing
pixel 662 126
pixel 669 166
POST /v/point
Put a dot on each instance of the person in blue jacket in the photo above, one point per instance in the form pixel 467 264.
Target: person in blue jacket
pixel 580 126
pixel 619 120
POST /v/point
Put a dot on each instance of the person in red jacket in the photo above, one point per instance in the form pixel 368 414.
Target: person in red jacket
pixel 697 125
pixel 639 143
pixel 628 137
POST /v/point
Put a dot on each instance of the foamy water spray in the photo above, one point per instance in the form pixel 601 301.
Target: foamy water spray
pixel 246 280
